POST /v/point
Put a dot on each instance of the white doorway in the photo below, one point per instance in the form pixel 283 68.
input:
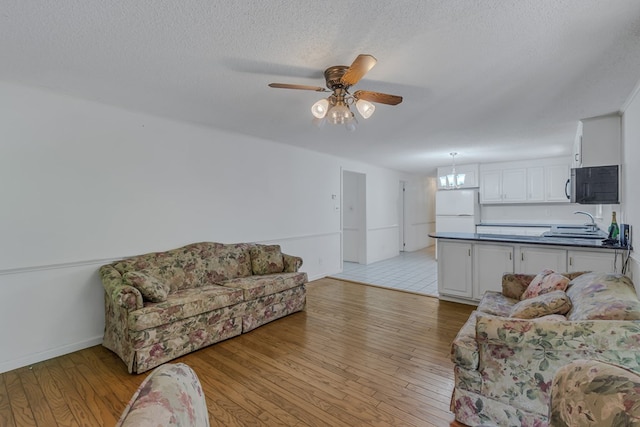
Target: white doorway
pixel 354 217
pixel 401 215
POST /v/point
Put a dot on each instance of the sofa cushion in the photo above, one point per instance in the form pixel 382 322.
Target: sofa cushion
pixel 151 288
pixel 266 259
pixel 556 302
pixel 496 303
pixel 183 304
pixel 603 296
pixel 258 286
pixel 546 281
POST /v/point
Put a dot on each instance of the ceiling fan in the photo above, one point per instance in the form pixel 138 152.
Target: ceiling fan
pixel 339 78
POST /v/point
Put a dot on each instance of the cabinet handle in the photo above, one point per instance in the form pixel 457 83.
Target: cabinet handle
pixel 522 256
pixel 469 252
pixel 510 256
pixel 570 261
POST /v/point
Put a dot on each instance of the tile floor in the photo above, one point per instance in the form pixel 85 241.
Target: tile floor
pixel 410 271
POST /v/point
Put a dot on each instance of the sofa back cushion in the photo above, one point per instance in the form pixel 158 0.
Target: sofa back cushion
pixel 194 265
pixel 603 296
pixel 266 259
pixel 514 284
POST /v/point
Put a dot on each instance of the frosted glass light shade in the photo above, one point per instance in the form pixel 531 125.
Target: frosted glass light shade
pixel 339 114
pixel 365 108
pixel 459 179
pixel 320 108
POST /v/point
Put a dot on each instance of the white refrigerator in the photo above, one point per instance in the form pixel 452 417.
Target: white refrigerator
pixel 457 210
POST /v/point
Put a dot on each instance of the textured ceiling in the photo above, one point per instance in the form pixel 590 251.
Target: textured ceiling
pixel 493 80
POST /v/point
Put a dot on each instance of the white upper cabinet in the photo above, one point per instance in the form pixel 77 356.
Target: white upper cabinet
pixel 535 184
pixel 598 142
pixel 557 183
pixel 514 185
pixel 538 181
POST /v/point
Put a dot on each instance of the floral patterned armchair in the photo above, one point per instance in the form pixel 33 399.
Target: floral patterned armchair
pixel 171 395
pixel 592 393
pixel 505 364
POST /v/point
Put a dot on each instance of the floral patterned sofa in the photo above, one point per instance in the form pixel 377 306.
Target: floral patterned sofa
pixel 163 305
pixel 508 352
pixel 594 393
pixel 170 396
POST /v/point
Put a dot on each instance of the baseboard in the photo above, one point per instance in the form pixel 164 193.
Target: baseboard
pixel 49 354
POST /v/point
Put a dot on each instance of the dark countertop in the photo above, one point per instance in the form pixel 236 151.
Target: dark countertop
pixel 532 240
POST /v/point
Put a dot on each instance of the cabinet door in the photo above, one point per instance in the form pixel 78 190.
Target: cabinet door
pixel 556 177
pixel 595 131
pixel 601 261
pixel 576 160
pixel 514 185
pixel 454 269
pixel 490 262
pixel 491 186
pixel 533 260
pixel 535 184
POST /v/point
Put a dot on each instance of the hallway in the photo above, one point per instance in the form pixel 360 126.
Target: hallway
pixel 415 272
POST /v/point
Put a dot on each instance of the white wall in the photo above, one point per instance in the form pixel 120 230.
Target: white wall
pixel 82 184
pixel 354 221
pixel 631 177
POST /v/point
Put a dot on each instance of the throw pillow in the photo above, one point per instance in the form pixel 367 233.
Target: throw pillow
pixel 266 259
pixel 150 287
pixel 544 282
pixel 555 302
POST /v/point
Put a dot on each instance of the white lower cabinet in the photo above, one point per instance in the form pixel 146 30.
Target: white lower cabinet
pixel 490 263
pixel 467 269
pixel 455 269
pixel 533 259
pixel 592 261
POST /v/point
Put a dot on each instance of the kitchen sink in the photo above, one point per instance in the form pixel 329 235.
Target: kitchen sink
pixel 575 232
pixel 575 235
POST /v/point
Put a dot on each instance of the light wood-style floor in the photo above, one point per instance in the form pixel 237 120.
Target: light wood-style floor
pixel 358 355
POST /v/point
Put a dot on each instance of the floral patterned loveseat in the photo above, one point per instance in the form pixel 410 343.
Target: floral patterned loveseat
pixel 162 305
pixel 594 393
pixel 508 352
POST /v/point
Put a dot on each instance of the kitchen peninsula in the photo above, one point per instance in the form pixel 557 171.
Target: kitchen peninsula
pixel 471 263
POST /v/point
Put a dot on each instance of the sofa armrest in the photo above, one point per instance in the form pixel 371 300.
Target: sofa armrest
pixel 121 295
pixel 171 395
pixel 291 263
pixel 589 392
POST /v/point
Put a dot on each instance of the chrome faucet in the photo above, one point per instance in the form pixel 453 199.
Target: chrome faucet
pixel 591 224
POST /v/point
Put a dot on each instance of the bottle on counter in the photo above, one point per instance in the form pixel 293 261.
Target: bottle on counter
pixel 614 230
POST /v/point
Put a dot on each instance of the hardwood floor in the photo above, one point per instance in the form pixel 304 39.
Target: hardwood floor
pixel 358 355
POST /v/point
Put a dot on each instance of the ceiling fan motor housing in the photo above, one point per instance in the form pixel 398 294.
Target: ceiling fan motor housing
pixel 333 76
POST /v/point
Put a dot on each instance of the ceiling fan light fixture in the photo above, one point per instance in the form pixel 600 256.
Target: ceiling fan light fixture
pixel 365 108
pixel 320 108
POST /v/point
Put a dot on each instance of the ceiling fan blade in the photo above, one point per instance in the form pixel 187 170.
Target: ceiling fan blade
pixel 360 67
pixel 381 98
pixel 301 87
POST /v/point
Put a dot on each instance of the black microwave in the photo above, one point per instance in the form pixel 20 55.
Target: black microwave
pixel 595 185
